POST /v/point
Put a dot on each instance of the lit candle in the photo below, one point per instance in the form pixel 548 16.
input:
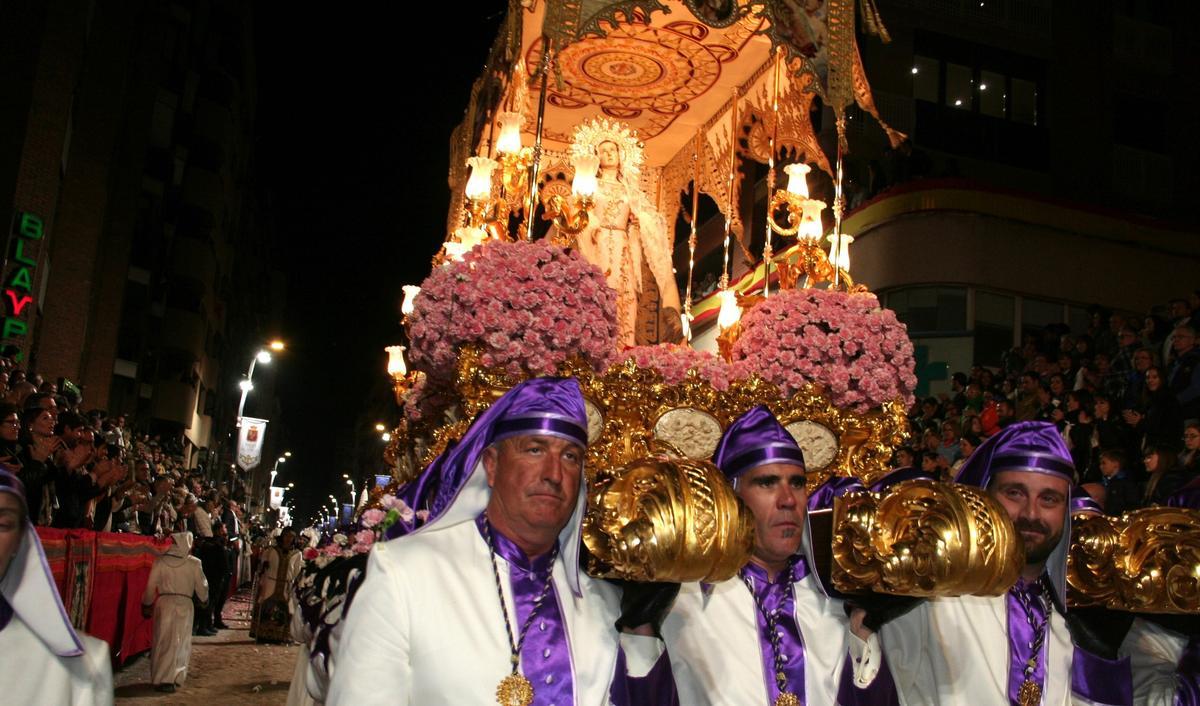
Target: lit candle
pixel 395 365
pixel 479 184
pixel 797 179
pixel 584 183
pixel 686 322
pixel 810 223
pixel 841 257
pixel 410 295
pixel 509 141
pixel 730 312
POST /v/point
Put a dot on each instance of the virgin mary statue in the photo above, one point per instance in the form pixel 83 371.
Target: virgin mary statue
pixel 627 238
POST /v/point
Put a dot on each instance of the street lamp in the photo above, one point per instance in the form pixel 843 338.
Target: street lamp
pixel 351 484
pixel 262 356
pixel 379 426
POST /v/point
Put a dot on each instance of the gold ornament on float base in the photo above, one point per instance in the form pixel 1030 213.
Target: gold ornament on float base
pixel 1145 561
pixel 926 539
pixel 670 520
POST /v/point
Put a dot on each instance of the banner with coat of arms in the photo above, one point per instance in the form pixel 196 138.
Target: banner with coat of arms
pixel 250 442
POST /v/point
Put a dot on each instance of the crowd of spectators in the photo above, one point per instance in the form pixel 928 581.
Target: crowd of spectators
pixel 1125 394
pixel 90 470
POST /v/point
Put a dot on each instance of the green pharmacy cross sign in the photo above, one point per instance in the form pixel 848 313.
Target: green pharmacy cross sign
pixel 18 283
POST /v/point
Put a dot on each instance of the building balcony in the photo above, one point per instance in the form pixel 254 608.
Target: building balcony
pixel 183 330
pixel 204 189
pixel 173 401
pixel 194 258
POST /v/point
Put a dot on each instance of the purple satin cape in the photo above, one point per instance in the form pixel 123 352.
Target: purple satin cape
pixel 1187 675
pixel 779 600
pixel 656 688
pixel 1107 681
pixel 881 692
pixel 755 439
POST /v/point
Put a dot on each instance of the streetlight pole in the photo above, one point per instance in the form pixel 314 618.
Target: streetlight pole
pixel 262 356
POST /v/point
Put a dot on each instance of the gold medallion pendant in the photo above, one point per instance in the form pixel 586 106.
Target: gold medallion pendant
pixel 1030 694
pixel 787 698
pixel 514 690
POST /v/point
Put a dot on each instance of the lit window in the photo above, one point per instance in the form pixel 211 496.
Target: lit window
pixel 958 86
pixel 1024 101
pixel 925 79
pixel 991 94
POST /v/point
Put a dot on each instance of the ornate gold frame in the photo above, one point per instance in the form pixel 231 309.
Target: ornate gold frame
pixel 632 399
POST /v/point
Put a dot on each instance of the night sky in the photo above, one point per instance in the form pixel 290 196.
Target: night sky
pixel 352 147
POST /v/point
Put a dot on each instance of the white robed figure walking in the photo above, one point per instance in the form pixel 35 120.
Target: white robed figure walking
pixel 175 577
pixel 44 660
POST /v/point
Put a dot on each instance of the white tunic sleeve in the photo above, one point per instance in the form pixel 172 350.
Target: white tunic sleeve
pixel 641 653
pixel 201 583
pixel 905 642
pixel 151 591
pixel 1154 654
pixel 373 654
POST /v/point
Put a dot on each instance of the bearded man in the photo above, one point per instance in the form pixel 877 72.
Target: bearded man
pixel 1021 648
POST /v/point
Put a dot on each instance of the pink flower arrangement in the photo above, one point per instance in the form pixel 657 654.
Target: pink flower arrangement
pixel 363 539
pixel 528 305
pixel 673 362
pixel 372 517
pixel 857 350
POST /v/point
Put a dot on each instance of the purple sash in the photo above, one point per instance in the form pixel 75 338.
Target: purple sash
pixel 1021 637
pixel 546 654
pixel 779 600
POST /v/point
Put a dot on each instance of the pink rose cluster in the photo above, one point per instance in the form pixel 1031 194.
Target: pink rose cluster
pixel 673 362
pixel 856 349
pixel 528 305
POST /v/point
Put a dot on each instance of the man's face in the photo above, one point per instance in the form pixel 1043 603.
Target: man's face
pixel 1184 340
pixel 11 528
pixel 1029 383
pixel 776 495
pixel 534 481
pixel 904 458
pixel 286 540
pixel 1179 309
pixel 1141 361
pixel 929 463
pixel 162 486
pixel 142 470
pixel 1108 466
pixel 1037 505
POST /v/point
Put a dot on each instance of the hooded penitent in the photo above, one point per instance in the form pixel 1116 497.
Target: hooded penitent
pixel 1034 447
pixel 28 589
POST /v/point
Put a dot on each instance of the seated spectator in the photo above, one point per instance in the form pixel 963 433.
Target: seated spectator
pixel 1189 458
pixel 1165 476
pixel 1158 419
pixel 967 445
pixel 1122 492
pixel 902 457
pixel 947 446
pixel 1184 374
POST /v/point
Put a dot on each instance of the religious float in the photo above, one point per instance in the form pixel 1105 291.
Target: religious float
pixel 588 143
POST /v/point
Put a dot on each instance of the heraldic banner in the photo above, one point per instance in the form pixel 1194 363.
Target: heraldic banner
pixel 250 442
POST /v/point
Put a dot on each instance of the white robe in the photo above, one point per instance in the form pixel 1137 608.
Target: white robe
pixel 716 655
pixel 1154 654
pixel 173 579
pixel 32 674
pixel 954 652
pixel 426 628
